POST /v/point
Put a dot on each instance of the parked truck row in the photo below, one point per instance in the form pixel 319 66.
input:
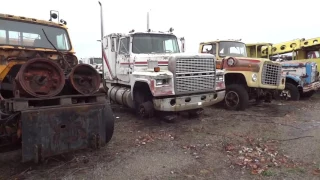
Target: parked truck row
pixel 51 103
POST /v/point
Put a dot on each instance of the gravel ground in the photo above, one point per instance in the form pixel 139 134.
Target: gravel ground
pixel 280 140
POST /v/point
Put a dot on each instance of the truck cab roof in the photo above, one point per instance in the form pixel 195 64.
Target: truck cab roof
pixel 31 20
pixel 220 40
pixel 140 32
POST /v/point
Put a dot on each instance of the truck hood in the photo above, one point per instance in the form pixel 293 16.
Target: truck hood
pixel 255 59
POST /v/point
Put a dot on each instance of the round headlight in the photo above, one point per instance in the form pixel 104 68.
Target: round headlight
pixel 230 61
pixel 254 77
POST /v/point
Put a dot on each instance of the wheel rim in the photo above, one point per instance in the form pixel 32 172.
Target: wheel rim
pixel 285 94
pixel 142 111
pixel 232 99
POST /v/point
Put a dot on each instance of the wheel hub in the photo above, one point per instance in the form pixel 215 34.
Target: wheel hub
pixel 84 79
pixel 285 94
pixel 40 78
pixel 142 111
pixel 232 99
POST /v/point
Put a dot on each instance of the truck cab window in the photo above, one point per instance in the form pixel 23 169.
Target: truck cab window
pixel 229 48
pixel 154 44
pixel 209 48
pixel 170 46
pixel 124 46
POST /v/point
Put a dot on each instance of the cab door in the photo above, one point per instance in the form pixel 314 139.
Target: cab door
pixel 123 59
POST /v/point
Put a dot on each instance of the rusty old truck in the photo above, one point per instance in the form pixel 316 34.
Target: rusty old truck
pixel 49 103
pixel 246 78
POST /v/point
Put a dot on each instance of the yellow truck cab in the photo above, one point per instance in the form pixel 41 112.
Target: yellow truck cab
pixel 299 60
pixel 245 78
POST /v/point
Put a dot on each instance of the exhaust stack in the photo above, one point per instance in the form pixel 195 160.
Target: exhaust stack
pixel 104 56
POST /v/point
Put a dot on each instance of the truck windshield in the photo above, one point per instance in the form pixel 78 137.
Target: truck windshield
pixel 236 49
pixel 154 44
pixel 24 34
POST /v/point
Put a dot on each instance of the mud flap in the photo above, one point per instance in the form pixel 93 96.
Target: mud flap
pixel 51 131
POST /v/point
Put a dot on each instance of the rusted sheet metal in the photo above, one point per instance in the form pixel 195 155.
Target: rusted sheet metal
pixel 241 64
pixel 48 132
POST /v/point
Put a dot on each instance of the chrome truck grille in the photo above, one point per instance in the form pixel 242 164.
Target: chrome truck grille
pixel 194 74
pixel 271 74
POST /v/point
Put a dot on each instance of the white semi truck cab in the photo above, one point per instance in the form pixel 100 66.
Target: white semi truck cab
pixel 146 71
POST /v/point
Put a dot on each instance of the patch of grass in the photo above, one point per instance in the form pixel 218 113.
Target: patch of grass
pixel 267 173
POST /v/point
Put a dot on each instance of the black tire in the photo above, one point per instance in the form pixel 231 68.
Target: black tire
pixel 146 110
pixel 143 104
pixel 294 92
pixel 238 93
pixel 307 94
pixel 109 122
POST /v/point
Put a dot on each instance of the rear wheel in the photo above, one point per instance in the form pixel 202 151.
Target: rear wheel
pixel 236 97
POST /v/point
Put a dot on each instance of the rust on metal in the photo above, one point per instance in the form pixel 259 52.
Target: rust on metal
pixel 84 79
pixel 53 131
pixel 241 64
pixel 40 77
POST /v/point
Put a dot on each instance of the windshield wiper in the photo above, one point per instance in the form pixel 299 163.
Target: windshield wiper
pixel 56 49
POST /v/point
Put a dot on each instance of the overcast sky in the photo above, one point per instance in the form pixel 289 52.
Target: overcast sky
pixel 203 20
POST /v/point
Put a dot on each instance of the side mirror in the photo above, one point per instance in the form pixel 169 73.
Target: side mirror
pixel 182 40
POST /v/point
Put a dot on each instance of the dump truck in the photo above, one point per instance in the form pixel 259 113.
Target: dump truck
pixel 147 72
pixel 302 75
pixel 245 78
pixel 49 102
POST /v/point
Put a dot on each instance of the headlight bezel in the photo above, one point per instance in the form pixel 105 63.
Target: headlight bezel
pixel 162 82
pixel 254 77
pixel 219 78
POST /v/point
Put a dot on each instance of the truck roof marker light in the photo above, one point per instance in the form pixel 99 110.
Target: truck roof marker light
pixel 156 69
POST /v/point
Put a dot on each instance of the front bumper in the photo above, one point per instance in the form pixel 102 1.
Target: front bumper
pixel 312 87
pixel 183 103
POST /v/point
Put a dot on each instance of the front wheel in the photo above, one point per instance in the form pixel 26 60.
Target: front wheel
pixel 290 93
pixel 236 97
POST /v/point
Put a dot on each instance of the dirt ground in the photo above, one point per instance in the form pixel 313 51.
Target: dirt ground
pixel 280 140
